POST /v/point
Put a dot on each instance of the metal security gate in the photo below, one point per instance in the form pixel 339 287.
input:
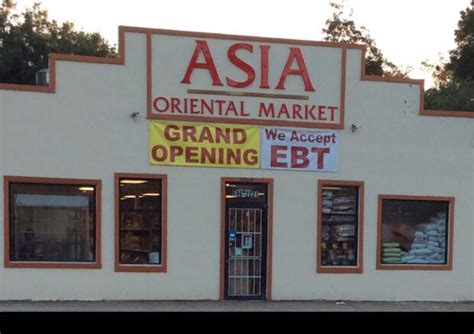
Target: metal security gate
pixel 244 264
pixel 245 273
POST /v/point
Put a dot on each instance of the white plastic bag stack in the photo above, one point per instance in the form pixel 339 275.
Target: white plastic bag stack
pixel 429 244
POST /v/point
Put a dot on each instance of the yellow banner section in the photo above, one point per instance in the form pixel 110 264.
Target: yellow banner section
pixel 216 145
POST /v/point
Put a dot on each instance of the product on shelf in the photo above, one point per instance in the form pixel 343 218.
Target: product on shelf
pixel 339 227
pixel 391 252
pixel 140 237
pixel 416 242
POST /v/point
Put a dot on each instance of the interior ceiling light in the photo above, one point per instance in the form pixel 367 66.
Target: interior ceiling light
pixel 133 181
pixel 86 188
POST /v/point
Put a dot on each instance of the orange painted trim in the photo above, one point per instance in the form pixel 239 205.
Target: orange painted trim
pixel 184 33
pixel 360 235
pixel 149 58
pixel 444 113
pixel 7 179
pixel 120 60
pixel 342 104
pixel 421 83
pixel 162 268
pixel 448 266
pixel 54 57
pixel 379 78
pixel 224 120
pixel 269 183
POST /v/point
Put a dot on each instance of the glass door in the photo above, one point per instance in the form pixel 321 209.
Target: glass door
pixel 246 240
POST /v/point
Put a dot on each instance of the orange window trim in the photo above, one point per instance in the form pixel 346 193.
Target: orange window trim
pixel 269 183
pixel 162 268
pixel 360 234
pixel 448 266
pixel 7 179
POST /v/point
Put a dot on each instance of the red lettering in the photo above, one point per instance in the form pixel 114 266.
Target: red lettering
pixel 284 110
pixel 332 109
pixel 208 154
pixel 156 104
pixel 219 105
pixel 194 106
pixel 242 109
pixel 175 151
pixel 239 136
pixel 235 156
pixel 175 105
pixel 208 64
pixel 308 111
pixel 264 52
pixel 296 111
pixel 209 107
pixel 154 153
pixel 223 136
pixel 191 155
pixel 299 157
pixel 250 157
pixel 266 111
pixel 275 155
pixel 320 151
pixel 171 136
pixel 206 135
pixel 321 113
pixel 231 108
pixel 189 132
pixel 295 54
pixel 231 54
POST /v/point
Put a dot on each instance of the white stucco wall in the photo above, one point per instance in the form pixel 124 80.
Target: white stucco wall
pixel 84 131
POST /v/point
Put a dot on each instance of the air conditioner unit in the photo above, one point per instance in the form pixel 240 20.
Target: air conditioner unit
pixel 42 77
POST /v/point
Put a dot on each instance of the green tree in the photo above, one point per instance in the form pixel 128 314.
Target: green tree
pixel 342 28
pixel 27 39
pixel 454 79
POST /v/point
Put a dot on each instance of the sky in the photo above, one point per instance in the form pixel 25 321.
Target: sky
pixel 407 31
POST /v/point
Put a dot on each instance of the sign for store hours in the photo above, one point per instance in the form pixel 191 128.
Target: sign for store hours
pixel 240 146
pixel 245 80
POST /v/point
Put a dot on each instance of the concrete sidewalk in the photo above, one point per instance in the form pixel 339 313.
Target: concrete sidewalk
pixel 233 306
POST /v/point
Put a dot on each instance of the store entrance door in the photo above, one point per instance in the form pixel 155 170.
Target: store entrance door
pixel 246 206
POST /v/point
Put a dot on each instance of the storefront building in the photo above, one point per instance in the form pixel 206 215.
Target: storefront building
pixel 207 166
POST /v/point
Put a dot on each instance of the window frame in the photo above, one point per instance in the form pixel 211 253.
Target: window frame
pixel 157 268
pixel 360 231
pixel 8 179
pixel 450 230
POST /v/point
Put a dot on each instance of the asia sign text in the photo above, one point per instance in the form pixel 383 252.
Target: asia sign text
pixel 219 79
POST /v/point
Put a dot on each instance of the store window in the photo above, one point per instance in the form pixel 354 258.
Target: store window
pixel 415 232
pixel 340 226
pixel 140 222
pixel 52 222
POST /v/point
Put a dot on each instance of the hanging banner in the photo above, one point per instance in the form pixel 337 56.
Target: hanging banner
pixel 216 145
pixel 299 149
